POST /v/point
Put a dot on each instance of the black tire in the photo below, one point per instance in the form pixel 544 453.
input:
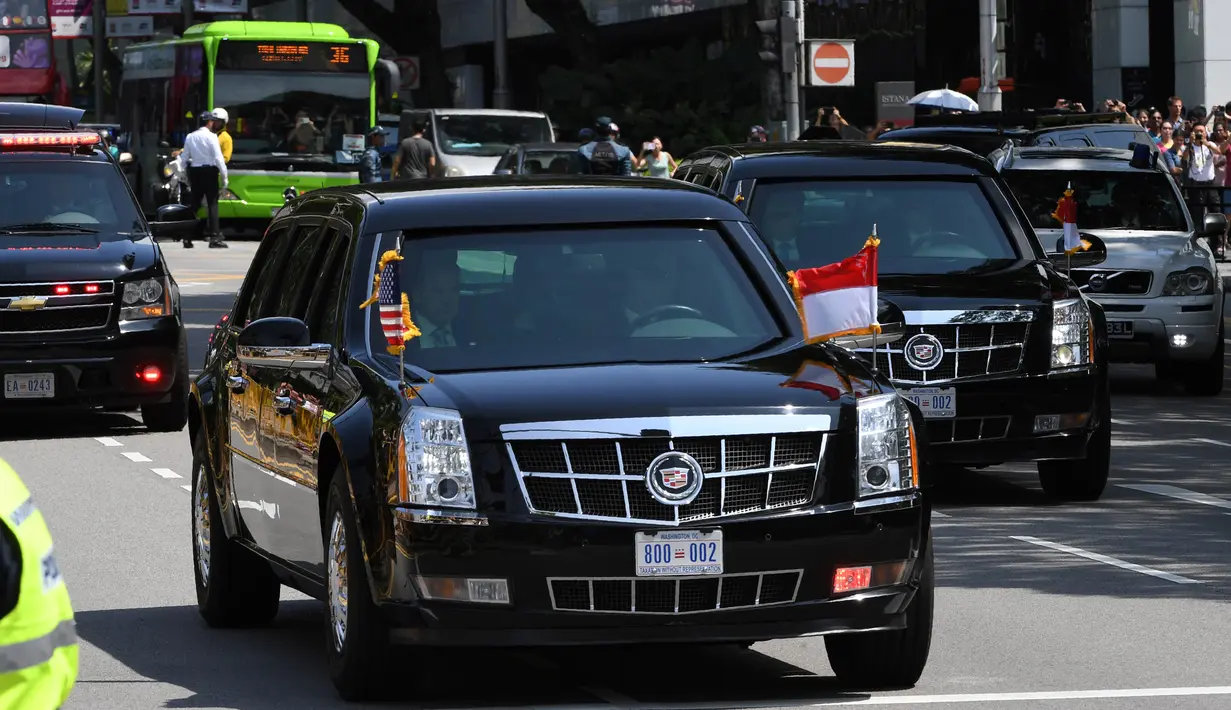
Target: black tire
pixel 359 652
pixel 235 588
pixel 1204 379
pixel 171 415
pixel 1083 479
pixel 889 660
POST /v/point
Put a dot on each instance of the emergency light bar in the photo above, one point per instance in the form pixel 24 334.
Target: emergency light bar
pixel 24 140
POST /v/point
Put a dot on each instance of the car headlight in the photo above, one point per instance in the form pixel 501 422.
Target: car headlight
pixel 167 172
pixel 1072 337
pixel 147 298
pixel 1190 282
pixel 434 460
pixel 888 453
pixel 226 194
pixel 454 171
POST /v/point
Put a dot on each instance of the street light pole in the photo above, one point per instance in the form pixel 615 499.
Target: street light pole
pixel 500 51
pixel 989 91
pixel 100 50
pixel 790 78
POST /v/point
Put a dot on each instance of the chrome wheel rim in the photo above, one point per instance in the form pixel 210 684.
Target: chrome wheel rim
pixel 200 524
pixel 337 581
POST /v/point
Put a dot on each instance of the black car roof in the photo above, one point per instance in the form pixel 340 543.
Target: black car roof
pixel 908 131
pixel 530 200
pixel 1086 159
pixel 39 116
pixel 852 157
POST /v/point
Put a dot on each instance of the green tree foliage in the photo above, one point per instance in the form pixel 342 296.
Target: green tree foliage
pixel 672 92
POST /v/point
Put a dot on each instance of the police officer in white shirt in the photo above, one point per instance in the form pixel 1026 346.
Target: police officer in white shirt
pixel 203 157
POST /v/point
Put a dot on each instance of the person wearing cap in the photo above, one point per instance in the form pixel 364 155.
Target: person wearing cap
pixel 369 164
pixel 758 134
pixel 603 155
pixel 224 139
pixel 206 169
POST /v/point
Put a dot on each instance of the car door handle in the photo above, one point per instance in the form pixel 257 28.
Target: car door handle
pixel 284 405
pixel 236 383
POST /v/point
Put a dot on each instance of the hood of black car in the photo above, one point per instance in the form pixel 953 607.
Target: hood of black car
pixel 1025 284
pixel 812 379
pixel 26 258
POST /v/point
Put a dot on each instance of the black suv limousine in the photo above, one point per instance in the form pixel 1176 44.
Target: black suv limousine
pixel 89 313
pixel 581 447
pixel 1006 358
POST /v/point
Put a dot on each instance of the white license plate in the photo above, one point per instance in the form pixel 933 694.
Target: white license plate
pixel 678 553
pixel 1119 329
pixel 935 402
pixel 36 385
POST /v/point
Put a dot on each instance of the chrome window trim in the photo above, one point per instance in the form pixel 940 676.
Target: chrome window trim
pixel 898 502
pixel 989 316
pixel 681 427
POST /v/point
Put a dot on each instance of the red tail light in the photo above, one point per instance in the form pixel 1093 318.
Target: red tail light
pixel 149 373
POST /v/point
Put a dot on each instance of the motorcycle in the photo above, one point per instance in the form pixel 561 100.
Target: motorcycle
pixel 172 187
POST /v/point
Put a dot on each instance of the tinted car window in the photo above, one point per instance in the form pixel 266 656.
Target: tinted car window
pixel 544 161
pixel 322 316
pixel 926 227
pixel 75 191
pixel 266 274
pixel 297 277
pixel 570 297
pixel 1120 138
pixel 1105 200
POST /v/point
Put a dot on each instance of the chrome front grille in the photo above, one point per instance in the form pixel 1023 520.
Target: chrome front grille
pixel 605 479
pixel 970 349
pixel 682 595
pixel 55 313
pixel 949 431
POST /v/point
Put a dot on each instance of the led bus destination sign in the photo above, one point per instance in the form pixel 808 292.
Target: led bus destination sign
pixel 296 56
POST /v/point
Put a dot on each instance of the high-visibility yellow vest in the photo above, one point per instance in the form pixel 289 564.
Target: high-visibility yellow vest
pixel 38 638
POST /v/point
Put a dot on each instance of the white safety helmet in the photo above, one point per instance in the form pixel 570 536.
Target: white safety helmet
pixel 220 114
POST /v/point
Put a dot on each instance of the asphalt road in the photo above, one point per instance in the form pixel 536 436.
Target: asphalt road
pixel 1122 603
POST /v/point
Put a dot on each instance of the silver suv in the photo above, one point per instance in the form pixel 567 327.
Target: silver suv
pixel 1159 285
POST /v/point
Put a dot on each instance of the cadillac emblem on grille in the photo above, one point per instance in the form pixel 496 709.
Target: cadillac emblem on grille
pixel 923 352
pixel 674 478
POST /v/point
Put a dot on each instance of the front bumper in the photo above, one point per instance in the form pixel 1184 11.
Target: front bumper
pixel 551 566
pixel 995 419
pixel 98 370
pixel 1156 324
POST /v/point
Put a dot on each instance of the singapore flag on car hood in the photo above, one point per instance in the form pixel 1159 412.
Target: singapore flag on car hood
pixel 839 299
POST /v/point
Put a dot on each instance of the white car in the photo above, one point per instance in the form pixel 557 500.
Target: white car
pixel 1159 285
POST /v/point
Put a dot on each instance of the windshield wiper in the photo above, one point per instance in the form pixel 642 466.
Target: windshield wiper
pixel 46 227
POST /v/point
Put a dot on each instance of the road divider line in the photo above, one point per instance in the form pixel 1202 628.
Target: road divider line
pixel 1215 442
pixel 1034 696
pixel 1178 493
pixel 1114 562
pixel 938 514
pixel 166 473
pixel 107 441
pixel 136 457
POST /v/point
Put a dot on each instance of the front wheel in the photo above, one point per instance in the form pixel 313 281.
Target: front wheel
pixel 889 660
pixel 171 415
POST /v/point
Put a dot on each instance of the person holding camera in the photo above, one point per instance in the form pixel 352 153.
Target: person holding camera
pixel 1197 159
pixel 655 160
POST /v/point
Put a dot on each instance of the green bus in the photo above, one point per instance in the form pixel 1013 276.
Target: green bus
pixel 301 97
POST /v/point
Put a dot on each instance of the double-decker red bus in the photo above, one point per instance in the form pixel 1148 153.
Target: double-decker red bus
pixel 27 60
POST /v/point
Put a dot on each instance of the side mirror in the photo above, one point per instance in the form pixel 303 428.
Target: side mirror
pixel 174 220
pixel 1095 255
pixel 1215 225
pixel 282 343
pixel 503 171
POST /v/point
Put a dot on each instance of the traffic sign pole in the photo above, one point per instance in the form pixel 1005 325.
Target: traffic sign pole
pixel 792 14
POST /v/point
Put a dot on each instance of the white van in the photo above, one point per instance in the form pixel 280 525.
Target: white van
pixel 470 141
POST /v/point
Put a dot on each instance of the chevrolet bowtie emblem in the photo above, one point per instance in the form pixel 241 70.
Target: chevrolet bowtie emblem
pixel 27 303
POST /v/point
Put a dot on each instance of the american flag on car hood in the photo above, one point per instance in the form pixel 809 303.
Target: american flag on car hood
pixel 393 305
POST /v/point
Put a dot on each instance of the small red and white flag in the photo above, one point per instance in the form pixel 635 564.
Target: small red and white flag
pixel 1066 214
pixel 839 299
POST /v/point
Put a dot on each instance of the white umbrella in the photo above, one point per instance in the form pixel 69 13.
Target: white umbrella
pixel 945 98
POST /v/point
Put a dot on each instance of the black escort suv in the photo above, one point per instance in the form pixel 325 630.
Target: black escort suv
pixel 1001 351
pixel 89 313
pixel 579 447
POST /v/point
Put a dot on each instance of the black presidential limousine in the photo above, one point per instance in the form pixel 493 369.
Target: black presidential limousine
pixel 609 431
pixel 1001 350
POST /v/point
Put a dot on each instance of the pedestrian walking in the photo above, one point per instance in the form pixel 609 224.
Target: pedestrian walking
pixel 655 160
pixel 38 635
pixel 206 169
pixel 369 164
pixel 603 155
pixel 758 134
pixel 224 139
pixel 415 158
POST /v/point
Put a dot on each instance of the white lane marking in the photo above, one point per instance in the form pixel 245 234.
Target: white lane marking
pixel 1215 442
pixel 1119 422
pixel 107 441
pixel 1127 443
pixel 166 472
pixel 1035 696
pixel 136 457
pixel 938 514
pixel 1096 557
pixel 194 283
pixel 1177 492
pixel 187 488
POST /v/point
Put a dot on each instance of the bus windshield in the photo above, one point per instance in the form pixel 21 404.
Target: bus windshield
pixel 297 113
